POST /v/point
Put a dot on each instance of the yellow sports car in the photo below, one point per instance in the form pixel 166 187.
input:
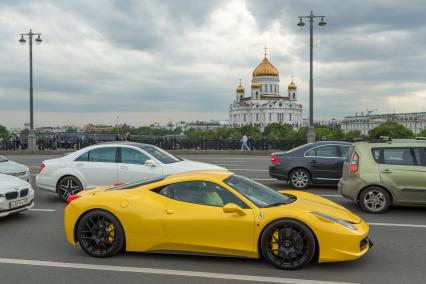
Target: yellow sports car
pixel 214 212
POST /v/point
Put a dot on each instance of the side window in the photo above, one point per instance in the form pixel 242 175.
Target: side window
pixel 399 156
pixel 329 151
pixel 201 192
pixel 104 155
pixel 83 158
pixel 344 151
pixel 132 156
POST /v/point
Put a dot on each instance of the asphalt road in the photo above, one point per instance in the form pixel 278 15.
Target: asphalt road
pixel 33 248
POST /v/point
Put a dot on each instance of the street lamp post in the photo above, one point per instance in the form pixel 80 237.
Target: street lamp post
pixel 322 23
pixel 32 143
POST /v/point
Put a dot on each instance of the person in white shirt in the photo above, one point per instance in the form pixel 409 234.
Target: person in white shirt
pixel 244 141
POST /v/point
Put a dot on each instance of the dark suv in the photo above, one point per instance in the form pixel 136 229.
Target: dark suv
pixel 319 162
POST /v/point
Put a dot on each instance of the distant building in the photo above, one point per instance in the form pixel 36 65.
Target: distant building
pixel 264 104
pixel 201 125
pixel 415 121
pixel 98 128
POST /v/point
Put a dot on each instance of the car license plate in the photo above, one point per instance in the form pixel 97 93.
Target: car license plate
pixel 18 203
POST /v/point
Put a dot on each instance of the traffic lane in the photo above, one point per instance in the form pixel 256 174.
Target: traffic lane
pixel 39 274
pixel 41 237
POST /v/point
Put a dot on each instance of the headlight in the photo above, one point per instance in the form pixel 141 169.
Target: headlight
pixel 336 220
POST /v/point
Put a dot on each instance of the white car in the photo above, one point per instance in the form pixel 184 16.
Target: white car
pixel 108 164
pixel 16 195
pixel 12 168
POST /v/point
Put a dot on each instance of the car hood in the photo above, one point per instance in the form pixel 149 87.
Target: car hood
pixel 7 181
pixel 311 202
pixel 11 167
pixel 188 165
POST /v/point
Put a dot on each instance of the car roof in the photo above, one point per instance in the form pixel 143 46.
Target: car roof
pixel 202 175
pixel 120 143
pixel 390 144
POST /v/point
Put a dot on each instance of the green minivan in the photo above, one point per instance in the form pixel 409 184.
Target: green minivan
pixel 379 174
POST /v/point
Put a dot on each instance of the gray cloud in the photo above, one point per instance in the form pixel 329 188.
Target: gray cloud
pixel 184 58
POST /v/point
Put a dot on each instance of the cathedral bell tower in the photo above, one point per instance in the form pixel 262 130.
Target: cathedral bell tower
pixel 292 90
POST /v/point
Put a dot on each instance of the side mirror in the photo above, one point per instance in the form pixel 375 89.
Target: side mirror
pixel 150 163
pixel 233 208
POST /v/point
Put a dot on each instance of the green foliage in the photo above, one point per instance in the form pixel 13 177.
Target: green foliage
pixel 279 131
pixel 422 133
pixel 4 132
pixel 353 135
pixel 392 129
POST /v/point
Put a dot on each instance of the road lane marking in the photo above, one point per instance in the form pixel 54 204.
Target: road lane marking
pixel 265 179
pixel 42 210
pixel 253 170
pixel 329 195
pixel 397 225
pixel 200 274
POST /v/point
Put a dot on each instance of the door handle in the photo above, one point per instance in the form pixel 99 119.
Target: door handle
pixel 313 161
pixel 387 171
pixel 124 168
pixel 79 164
pixel 169 212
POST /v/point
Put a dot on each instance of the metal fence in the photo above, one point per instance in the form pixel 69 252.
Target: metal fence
pixel 168 142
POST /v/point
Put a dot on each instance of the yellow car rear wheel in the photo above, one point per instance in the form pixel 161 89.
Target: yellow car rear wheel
pixel 100 234
pixel 288 244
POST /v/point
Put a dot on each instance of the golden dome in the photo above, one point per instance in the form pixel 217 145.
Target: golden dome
pixel 292 85
pixel 240 88
pixel 255 84
pixel 265 68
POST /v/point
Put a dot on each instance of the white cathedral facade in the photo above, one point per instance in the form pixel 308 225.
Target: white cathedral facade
pixel 264 104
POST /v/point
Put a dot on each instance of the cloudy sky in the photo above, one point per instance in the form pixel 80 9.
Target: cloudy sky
pixel 155 61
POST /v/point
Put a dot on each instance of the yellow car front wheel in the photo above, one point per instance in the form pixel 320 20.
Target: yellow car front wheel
pixel 288 244
pixel 100 234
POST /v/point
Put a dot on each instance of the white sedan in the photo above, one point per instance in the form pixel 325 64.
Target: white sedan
pixel 108 164
pixel 12 168
pixel 16 195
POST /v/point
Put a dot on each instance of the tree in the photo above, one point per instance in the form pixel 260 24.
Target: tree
pixel 353 135
pixel 391 129
pixel 3 132
pixel 278 131
pixel 422 133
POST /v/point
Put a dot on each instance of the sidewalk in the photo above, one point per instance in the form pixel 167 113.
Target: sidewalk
pixel 176 152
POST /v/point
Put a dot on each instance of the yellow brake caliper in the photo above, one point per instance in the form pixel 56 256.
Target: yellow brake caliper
pixel 274 242
pixel 111 233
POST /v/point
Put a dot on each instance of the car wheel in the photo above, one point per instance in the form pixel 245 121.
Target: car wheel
pixel 100 234
pixel 300 178
pixel 67 186
pixel 288 244
pixel 374 200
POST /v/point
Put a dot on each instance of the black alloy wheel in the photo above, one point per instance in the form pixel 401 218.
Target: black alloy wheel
pixel 100 234
pixel 374 200
pixel 288 244
pixel 300 178
pixel 67 186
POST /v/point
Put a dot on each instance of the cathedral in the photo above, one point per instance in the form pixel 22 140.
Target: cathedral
pixel 264 104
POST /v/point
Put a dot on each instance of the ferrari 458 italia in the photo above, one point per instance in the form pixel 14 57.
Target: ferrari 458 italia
pixel 214 212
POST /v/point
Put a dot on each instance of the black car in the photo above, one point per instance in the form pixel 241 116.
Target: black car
pixel 319 162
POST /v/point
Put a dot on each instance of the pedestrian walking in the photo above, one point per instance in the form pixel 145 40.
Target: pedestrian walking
pixel 244 141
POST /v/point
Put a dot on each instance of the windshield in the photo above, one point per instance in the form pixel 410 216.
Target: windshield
pixel 3 159
pixel 261 195
pixel 160 154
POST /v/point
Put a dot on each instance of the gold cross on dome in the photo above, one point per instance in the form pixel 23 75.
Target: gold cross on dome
pixel 265 50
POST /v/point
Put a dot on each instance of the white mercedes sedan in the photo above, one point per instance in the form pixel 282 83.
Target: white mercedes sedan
pixel 108 164
pixel 16 195
pixel 12 168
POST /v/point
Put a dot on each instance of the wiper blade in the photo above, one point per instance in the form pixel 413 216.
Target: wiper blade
pixel 277 204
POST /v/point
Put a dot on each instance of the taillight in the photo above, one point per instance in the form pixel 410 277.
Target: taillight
pixel 72 197
pixel 42 166
pixel 118 184
pixel 354 163
pixel 275 160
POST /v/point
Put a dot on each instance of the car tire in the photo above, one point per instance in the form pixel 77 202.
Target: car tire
pixel 68 185
pixel 100 234
pixel 300 178
pixel 374 200
pixel 297 246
